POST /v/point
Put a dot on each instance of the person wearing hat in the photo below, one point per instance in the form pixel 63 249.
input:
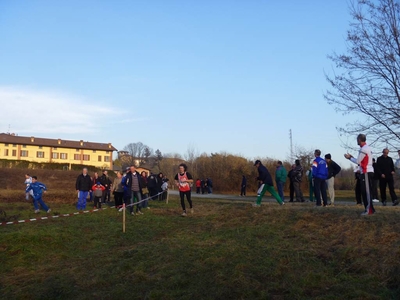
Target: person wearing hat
pixel 333 170
pixel 265 179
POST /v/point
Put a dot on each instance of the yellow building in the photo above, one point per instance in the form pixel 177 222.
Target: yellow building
pixel 44 150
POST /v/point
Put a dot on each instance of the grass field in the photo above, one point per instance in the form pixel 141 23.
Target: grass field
pixel 225 250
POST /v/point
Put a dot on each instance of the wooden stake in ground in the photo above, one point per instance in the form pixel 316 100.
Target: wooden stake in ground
pixel 123 218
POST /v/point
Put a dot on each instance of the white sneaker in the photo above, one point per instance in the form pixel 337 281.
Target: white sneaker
pixel 148 207
pixel 49 210
pixel 121 209
pixel 132 213
pixel 191 210
pixel 184 214
pixel 375 200
pixel 256 205
pixel 37 211
pixel 139 212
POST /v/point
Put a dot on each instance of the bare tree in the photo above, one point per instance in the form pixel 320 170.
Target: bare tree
pixel 136 153
pixel 368 82
pixel 190 157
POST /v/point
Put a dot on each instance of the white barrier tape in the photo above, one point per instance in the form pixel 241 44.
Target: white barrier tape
pixel 53 217
pixel 76 213
pixel 136 203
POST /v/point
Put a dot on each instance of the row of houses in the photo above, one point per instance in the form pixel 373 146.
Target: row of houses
pixel 44 150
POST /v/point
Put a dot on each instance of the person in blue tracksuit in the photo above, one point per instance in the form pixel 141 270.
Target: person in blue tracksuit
pixel 319 174
pixel 37 188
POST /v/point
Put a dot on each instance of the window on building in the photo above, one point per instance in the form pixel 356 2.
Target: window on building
pixel 24 153
pixel 63 156
pixel 5 152
pixel 54 148
pixel 14 153
pixel 107 152
pixel 23 146
pixel 94 151
pixel 54 155
pixel 106 159
pixel 14 145
pixel 40 147
pixel 77 157
pixel 77 150
pixel 40 154
pixel 99 158
pixel 6 145
pixel 86 157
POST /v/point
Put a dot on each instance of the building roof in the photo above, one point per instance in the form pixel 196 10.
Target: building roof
pixel 24 140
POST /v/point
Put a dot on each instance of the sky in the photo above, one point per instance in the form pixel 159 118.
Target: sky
pixel 215 76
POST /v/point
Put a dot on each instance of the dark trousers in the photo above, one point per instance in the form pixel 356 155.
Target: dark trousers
pixel 118 197
pixel 320 190
pixel 366 187
pixel 357 190
pixel 188 197
pixel 291 191
pixel 153 193
pixel 297 190
pixel 388 181
pixel 97 202
pixel 106 196
pixel 375 188
pixel 243 191
pixel 197 190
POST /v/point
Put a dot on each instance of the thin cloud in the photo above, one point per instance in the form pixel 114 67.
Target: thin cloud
pixel 28 110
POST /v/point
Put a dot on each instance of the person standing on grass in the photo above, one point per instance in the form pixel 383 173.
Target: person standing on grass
pixel 106 182
pixel 38 189
pixel 364 161
pixel 83 186
pixel 198 186
pixel 333 170
pixel 145 191
pixel 386 170
pixel 98 194
pixel 160 181
pixel 310 184
pixel 297 179
pixel 375 182
pixel 28 181
pixel 319 173
pixel 152 186
pixel 266 184
pixel 291 180
pixel 95 179
pixel 243 186
pixel 118 190
pixel 280 179
pixel 209 185
pixel 133 190
pixel 357 188
pixel 183 179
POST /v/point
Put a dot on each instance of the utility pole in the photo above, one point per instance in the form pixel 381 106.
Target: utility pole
pixel 291 143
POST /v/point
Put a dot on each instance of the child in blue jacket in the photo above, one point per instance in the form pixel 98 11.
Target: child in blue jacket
pixel 37 188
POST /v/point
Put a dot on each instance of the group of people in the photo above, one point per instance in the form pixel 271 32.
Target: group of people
pixel 322 178
pixel 127 188
pixel 204 186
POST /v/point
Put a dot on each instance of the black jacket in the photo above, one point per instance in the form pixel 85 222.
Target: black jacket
pixel 105 181
pixel 83 183
pixel 152 181
pixel 298 174
pixel 333 169
pixel 264 175
pixel 244 181
pixel 385 166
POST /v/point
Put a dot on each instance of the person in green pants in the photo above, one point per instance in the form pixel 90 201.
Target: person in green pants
pixel 265 179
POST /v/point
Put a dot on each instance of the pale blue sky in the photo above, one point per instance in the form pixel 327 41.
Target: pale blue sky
pixel 229 76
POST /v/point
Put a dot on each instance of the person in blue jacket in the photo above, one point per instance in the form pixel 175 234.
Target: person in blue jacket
pixel 319 174
pixel 37 188
pixel 265 179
